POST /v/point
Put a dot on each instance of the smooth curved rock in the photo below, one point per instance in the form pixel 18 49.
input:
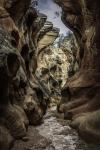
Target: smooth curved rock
pixel 83 18
pixel 47 36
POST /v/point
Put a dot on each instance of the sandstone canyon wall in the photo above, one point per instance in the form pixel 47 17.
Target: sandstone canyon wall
pixel 24 36
pixel 81 94
pixel 22 100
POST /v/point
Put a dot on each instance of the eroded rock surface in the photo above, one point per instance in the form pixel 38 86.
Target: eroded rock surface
pixel 53 134
pixel 22 100
pixel 25 37
pixel 82 90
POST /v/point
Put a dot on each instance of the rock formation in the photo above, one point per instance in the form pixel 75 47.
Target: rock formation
pixel 48 38
pixel 22 100
pixel 82 90
pixel 70 47
pixel 25 36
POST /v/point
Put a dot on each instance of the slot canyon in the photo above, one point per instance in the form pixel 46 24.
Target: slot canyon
pixel 49 75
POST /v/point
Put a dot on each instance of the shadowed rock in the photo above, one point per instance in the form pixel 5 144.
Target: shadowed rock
pixel 6 139
pixel 83 18
pixel 20 103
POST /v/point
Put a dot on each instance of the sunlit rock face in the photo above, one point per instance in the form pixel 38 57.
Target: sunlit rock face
pixel 56 62
pixel 52 60
pixel 83 18
pixel 48 38
pixel 48 35
pixel 52 71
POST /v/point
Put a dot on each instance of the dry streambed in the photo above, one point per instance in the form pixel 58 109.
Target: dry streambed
pixel 53 134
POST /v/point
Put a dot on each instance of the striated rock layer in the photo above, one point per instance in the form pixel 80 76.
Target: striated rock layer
pixel 83 89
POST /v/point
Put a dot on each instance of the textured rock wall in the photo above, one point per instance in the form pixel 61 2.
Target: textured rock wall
pixel 83 18
pixel 69 47
pixel 21 94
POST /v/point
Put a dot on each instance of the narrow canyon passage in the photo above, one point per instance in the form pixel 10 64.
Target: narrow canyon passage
pixel 57 130
pixel 49 75
pixel 53 134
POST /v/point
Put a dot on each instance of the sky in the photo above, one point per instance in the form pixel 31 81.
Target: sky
pixel 53 12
